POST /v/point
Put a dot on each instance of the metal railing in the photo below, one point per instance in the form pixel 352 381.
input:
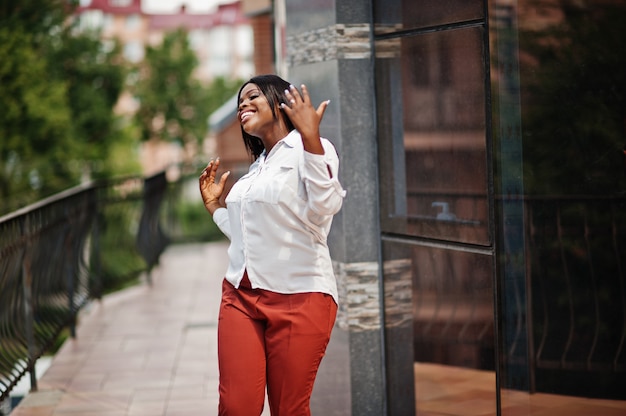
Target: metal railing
pixel 577 248
pixel 61 252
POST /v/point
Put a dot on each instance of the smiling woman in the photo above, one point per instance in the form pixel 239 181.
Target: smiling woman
pixel 279 295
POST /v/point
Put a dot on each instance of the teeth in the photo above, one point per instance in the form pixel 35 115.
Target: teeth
pixel 246 115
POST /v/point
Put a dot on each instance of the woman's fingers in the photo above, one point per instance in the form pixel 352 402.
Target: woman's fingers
pixel 305 94
pixel 295 98
pixel 224 177
pixel 211 169
pixel 322 108
pixel 209 188
pixel 291 96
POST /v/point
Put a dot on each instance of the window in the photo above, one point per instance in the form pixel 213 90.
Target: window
pixel 134 51
pixel 133 21
pixel 120 3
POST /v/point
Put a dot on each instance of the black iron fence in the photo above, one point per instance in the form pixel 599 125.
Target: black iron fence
pixel 61 252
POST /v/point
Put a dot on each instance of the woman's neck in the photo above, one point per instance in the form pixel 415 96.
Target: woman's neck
pixel 279 132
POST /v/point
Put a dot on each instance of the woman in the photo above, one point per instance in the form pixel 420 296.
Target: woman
pixel 279 295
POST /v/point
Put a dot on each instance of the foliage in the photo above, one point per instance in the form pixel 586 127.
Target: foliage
pixel 575 103
pixel 220 90
pixel 33 117
pixel 95 78
pixel 121 263
pixel 574 112
pixel 195 223
pixel 175 105
pixel 39 16
pixel 121 161
pixel 168 93
pixel 57 92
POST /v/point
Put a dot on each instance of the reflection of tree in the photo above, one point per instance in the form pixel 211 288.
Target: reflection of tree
pixel 575 101
pixel 574 112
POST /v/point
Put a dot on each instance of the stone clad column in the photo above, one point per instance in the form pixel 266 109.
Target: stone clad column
pixel 328 46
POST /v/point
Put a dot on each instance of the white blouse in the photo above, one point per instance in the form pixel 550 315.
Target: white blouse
pixel 278 217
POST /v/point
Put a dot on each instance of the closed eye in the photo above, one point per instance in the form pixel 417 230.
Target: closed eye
pixel 250 98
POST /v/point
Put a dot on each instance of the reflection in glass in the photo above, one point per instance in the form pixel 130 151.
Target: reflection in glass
pixel 436 169
pixel 450 294
pixel 453 308
pixel 407 14
pixel 398 304
pixel 572 123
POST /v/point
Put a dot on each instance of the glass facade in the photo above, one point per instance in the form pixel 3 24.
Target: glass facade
pixel 502 168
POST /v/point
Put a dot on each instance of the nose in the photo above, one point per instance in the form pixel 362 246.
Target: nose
pixel 243 103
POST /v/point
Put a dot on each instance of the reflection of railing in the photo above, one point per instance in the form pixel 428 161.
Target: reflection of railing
pixel 53 257
pixel 573 276
pixel 454 215
pixel 577 270
pixel 453 308
pixel 467 207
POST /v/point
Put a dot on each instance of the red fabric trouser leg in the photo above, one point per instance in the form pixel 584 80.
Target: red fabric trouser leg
pixel 273 339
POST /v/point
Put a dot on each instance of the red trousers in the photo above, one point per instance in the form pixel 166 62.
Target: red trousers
pixel 273 340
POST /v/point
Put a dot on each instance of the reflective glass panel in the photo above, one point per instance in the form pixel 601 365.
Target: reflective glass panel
pixel 560 139
pixel 395 15
pixel 442 300
pixel 431 117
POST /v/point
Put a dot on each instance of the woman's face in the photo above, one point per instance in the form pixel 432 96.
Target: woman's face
pixel 255 114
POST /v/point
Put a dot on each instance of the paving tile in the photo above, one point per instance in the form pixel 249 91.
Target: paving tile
pixel 152 351
pixel 192 392
pixel 34 411
pixel 41 399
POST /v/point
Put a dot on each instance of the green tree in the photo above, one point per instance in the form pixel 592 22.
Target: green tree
pixel 218 92
pixel 174 105
pixel 95 79
pixel 34 115
pixel 168 93
pixel 57 91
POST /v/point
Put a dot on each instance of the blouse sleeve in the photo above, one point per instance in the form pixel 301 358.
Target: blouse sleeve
pixel 320 175
pixel 220 217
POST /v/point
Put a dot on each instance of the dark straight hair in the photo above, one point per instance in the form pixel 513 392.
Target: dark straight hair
pixel 273 88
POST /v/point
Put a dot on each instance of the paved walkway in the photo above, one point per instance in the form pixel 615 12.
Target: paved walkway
pixel 145 350
pixel 152 351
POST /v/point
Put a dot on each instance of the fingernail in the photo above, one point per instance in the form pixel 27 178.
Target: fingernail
pixel 327 102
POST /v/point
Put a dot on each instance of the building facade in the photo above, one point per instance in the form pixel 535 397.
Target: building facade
pixel 482 146
pixel 221 39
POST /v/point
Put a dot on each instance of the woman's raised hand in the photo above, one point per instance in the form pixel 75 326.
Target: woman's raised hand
pixel 305 118
pixel 210 190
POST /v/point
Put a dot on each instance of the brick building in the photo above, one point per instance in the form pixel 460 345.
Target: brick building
pixel 222 40
pixel 225 138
